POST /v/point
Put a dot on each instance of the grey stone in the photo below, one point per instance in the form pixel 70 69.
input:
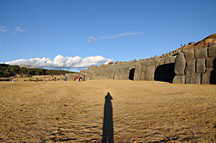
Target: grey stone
pixel 189 53
pixel 210 62
pixel 179 79
pixel 190 66
pixel 167 60
pixel 200 65
pixel 172 59
pixel 206 77
pixel 142 73
pixel 194 78
pixel 212 51
pixel 201 52
pixel 161 61
pixel 180 64
pixel 150 70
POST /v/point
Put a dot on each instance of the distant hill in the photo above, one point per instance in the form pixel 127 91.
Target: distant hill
pixel 12 70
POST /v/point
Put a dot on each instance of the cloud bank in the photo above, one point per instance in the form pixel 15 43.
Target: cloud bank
pixel 18 28
pixel 61 62
pixel 93 39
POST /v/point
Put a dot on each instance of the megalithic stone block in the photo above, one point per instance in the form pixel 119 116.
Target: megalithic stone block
pixel 150 70
pixel 201 52
pixel 210 62
pixel 190 66
pixel 200 65
pixel 194 78
pixel 206 77
pixel 189 53
pixel 180 64
pixel 179 79
pixel 212 51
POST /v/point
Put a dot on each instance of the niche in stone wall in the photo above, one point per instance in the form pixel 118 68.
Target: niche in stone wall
pixel 131 74
pixel 165 73
pixel 213 73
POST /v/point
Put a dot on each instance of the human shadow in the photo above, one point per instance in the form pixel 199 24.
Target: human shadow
pixel 108 136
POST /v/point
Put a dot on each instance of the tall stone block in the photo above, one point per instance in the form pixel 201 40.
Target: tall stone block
pixel 206 77
pixel 190 66
pixel 194 78
pixel 150 70
pixel 212 51
pixel 189 53
pixel 210 62
pixel 180 64
pixel 200 65
pixel 201 52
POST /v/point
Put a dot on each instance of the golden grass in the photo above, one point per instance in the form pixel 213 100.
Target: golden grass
pixel 72 112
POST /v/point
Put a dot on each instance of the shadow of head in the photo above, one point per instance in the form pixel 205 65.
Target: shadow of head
pixel 108 96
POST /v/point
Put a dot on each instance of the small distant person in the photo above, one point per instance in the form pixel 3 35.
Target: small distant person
pixel 12 81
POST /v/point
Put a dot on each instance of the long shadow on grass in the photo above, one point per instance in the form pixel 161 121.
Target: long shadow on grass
pixel 108 136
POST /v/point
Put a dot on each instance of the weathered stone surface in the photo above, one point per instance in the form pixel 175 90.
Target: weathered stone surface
pixel 189 53
pixel 212 51
pixel 206 77
pixel 167 60
pixel 142 72
pixel 179 79
pixel 172 59
pixel 122 74
pixel 200 65
pixel 142 75
pixel 180 64
pixel 210 62
pixel 190 66
pixel 194 78
pixel 201 52
pixel 161 61
pixel 150 70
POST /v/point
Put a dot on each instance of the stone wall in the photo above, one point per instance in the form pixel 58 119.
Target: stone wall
pixel 194 63
pixel 143 69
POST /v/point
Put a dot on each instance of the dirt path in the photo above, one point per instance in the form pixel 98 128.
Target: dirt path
pixel 70 112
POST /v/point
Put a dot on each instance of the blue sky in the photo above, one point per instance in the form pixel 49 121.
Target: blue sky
pixel 113 29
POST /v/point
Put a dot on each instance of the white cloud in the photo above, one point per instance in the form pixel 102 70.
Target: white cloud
pixel 93 39
pixel 121 35
pixel 19 29
pixel 3 28
pixel 61 62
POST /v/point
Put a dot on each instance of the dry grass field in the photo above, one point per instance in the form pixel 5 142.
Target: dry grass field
pixel 72 112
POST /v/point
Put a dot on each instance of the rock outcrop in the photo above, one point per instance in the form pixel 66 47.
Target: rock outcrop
pixel 194 63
